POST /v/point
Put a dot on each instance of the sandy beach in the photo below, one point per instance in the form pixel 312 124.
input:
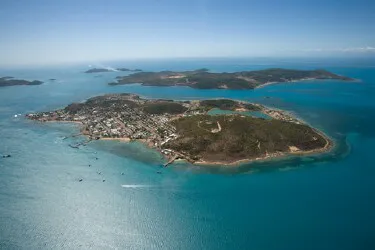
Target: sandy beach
pixel 302 80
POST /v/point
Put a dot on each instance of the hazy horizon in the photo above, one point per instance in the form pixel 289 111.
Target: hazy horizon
pixel 51 32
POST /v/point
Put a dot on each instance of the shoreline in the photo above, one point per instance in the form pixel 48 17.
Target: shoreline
pixel 121 139
pixel 327 147
pixel 74 122
pixel 268 157
pixel 306 80
pixel 273 156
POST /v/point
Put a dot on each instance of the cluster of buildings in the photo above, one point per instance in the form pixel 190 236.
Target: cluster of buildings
pixel 279 115
pixel 115 116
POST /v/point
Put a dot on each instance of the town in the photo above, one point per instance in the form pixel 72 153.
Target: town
pixel 116 116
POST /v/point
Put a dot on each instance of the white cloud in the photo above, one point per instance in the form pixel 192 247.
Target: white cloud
pixel 363 49
pixel 367 49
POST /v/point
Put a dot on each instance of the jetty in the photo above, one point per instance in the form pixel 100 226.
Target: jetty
pixel 171 160
pixel 179 156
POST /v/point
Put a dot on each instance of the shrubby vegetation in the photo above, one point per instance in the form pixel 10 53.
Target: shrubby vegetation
pixel 74 107
pixel 162 107
pixel 240 137
pixel 227 104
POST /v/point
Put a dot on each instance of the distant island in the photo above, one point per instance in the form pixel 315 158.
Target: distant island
pixel 203 79
pixel 236 132
pixel 10 81
pixel 101 70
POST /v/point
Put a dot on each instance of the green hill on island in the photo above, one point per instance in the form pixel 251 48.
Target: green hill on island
pixel 203 79
pixel 229 138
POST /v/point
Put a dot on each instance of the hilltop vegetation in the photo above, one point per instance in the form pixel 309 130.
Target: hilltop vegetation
pixel 202 79
pixel 240 137
pixel 164 107
pixel 227 104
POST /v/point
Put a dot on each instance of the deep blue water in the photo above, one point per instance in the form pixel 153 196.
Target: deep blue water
pixel 316 202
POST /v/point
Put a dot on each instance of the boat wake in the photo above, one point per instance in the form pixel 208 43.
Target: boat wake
pixel 136 186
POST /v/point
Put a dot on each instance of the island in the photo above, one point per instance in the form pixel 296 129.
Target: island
pixel 102 70
pixel 10 81
pixel 203 79
pixel 236 132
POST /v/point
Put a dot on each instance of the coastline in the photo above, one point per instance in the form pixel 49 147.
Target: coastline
pixel 265 85
pixel 353 80
pixel 273 156
pixel 177 156
pixel 328 147
pixel 121 139
pixel 74 122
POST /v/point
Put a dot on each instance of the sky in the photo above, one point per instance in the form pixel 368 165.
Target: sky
pixel 52 32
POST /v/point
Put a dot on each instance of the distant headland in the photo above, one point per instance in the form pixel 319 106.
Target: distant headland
pixel 203 79
pixel 189 130
pixel 102 70
pixel 10 81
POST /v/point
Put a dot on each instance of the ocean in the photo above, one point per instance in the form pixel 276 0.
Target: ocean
pixel 322 201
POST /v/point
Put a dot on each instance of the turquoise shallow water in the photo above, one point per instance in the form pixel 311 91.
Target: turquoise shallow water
pixel 315 202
